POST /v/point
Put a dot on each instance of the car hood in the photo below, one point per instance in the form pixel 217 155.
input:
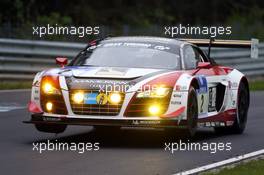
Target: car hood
pixel 106 72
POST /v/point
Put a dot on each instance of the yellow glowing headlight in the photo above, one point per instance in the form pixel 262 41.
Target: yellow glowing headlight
pixel 158 92
pixel 154 109
pixel 115 98
pixel 47 88
pixel 161 91
pixel 49 106
pixel 78 97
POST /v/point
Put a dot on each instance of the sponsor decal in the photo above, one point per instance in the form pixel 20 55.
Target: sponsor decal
pixel 112 71
pixel 36 83
pixel 212 99
pixel 99 84
pixel 222 124
pixel 145 122
pixel 135 122
pixel 144 45
pixel 90 98
pixel 211 124
pixel 229 123
pixel 36 94
pixel 202 84
pixel 177 95
pixel 184 88
pixel 134 44
pixel 176 102
pixel 93 81
pixel 202 94
pixel 202 103
pixel 162 47
pixel 36 91
pixel 51 119
pixel 101 99
pixel 234 85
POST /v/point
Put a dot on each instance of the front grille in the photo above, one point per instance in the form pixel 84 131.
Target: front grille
pixel 107 109
pixel 138 107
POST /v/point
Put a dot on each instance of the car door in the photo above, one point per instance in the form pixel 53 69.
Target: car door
pixel 217 83
pixel 211 98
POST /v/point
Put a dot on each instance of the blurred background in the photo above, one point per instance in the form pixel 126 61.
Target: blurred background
pixel 130 17
pixel 22 54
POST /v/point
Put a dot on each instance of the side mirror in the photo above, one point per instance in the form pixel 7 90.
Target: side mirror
pixel 62 61
pixel 204 65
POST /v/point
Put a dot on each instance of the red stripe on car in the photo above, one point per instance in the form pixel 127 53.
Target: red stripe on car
pixel 174 113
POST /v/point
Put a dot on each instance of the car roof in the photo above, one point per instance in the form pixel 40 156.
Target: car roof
pixel 145 39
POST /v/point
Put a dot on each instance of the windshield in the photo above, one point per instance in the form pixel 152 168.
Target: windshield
pixel 137 55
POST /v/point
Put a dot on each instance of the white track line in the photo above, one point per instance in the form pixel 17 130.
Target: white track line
pixel 14 90
pixel 221 163
pixel 10 108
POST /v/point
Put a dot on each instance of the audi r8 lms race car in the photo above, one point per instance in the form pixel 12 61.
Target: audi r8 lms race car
pixel 142 82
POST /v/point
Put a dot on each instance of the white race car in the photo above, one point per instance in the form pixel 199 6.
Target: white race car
pixel 142 82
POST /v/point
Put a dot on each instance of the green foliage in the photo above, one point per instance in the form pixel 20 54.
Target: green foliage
pixel 256 85
pixel 248 24
pixel 15 85
pixel 253 168
pixel 53 19
pixel 132 17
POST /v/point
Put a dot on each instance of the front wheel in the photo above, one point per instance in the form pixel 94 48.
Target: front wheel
pixel 192 113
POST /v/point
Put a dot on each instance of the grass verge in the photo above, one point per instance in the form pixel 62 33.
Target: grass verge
pixel 15 85
pixel 256 85
pixel 254 167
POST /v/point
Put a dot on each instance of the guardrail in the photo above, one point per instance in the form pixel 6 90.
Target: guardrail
pixel 21 59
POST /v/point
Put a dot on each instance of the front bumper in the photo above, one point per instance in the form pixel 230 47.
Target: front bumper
pixel 151 123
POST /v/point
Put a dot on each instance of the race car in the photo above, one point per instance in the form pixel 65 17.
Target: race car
pixel 142 82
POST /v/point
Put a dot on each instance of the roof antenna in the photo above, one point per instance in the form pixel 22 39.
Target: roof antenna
pixel 210 44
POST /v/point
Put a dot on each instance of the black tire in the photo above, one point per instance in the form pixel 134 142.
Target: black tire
pixel 192 117
pixel 242 111
pixel 51 128
pixel 192 113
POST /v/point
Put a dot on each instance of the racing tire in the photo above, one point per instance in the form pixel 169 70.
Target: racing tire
pixel 51 128
pixel 242 111
pixel 192 117
pixel 192 113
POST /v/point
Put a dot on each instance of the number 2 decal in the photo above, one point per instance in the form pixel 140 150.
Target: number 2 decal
pixel 202 99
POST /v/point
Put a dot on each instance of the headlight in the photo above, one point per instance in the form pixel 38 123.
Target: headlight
pixel 49 106
pixel 158 92
pixel 115 98
pixel 78 97
pixel 50 85
pixel 154 109
pixel 48 88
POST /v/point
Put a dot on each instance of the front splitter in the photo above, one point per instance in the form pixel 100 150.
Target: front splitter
pixel 163 123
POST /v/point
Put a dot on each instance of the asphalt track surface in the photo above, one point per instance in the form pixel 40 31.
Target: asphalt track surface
pixel 129 151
